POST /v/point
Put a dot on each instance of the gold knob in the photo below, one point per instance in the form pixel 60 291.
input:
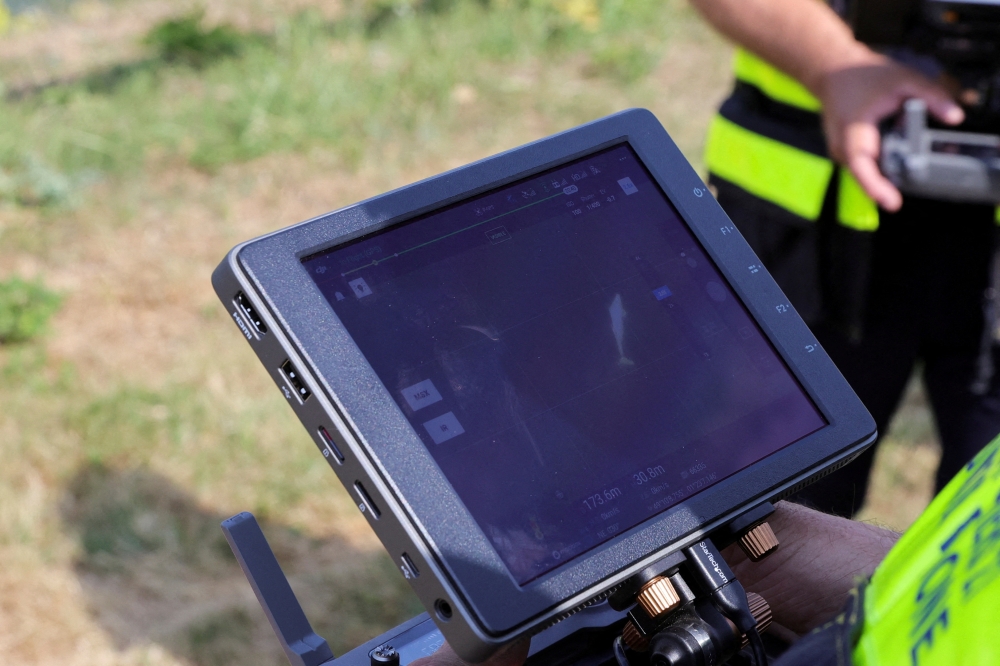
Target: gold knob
pixel 761 612
pixel 759 542
pixel 633 638
pixel 658 596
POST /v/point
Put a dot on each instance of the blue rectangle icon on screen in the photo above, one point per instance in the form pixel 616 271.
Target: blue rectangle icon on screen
pixel 444 428
pixel 421 394
pixel 662 292
pixel 628 186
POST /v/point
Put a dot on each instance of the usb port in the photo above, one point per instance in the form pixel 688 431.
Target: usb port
pixel 408 568
pixel 330 449
pixel 295 381
pixel 250 312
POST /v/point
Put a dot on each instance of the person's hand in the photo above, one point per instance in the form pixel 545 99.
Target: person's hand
pixel 806 581
pixel 857 97
pixel 820 560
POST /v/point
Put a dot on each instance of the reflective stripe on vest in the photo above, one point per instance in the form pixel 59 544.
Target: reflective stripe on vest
pixel 935 599
pixel 855 209
pixel 793 179
pixel 772 82
pixel 776 172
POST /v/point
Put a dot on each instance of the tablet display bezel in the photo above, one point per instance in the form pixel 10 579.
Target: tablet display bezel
pixel 423 497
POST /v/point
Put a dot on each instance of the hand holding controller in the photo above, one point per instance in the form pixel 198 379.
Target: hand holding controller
pixel 806 582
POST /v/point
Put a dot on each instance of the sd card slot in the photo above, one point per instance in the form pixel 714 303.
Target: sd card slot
pixel 330 448
pixel 366 505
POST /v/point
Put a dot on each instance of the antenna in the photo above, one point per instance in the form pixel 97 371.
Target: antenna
pixel 302 645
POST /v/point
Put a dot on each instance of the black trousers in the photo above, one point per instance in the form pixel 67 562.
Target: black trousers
pixel 925 278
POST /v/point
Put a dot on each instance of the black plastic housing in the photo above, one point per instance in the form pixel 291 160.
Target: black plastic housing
pixel 420 514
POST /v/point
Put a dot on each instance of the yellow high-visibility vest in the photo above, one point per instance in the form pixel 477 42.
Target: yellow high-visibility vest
pixel 935 599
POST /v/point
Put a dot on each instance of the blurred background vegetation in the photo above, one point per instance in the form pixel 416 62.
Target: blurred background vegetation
pixel 139 141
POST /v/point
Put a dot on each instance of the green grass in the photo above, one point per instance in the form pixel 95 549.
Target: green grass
pixel 187 41
pixel 381 75
pixel 25 309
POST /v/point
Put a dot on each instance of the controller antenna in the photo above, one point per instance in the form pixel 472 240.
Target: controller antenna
pixel 302 645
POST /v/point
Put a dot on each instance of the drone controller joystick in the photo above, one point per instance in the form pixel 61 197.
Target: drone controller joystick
pixel 941 164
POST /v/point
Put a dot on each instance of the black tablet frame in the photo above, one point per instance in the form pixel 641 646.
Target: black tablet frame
pixel 421 515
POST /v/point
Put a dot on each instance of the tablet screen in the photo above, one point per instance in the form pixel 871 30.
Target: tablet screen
pixel 568 353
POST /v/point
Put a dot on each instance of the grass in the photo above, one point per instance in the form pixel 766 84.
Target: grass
pixel 25 308
pixel 135 420
pixel 374 79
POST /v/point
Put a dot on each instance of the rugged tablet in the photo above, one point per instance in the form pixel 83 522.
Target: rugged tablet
pixel 542 372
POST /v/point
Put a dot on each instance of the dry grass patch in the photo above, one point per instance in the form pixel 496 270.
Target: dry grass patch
pixel 902 482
